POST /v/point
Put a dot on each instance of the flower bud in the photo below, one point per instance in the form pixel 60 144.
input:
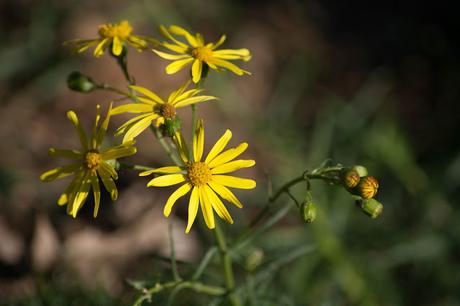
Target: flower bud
pixel 308 211
pixel 367 187
pixel 362 171
pixel 79 82
pixel 254 259
pixel 349 178
pixel 370 207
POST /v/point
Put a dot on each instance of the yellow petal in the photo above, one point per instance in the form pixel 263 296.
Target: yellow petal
pixel 119 152
pixel 108 183
pixel 233 166
pixel 172 57
pixel 132 108
pixel 198 141
pixel 174 29
pixel 125 126
pixel 206 209
pixel 228 155
pixel 60 172
pixel 233 54
pixel 219 146
pixel 217 204
pixel 186 95
pixel 182 147
pixel 178 65
pixel 180 192
pixel 148 93
pixel 96 194
pixel 165 33
pixel 138 42
pixel 67 194
pixel 81 195
pixel 176 48
pixel 225 193
pixel 95 126
pixel 117 46
pixel 192 208
pixel 99 50
pixel 134 130
pixel 235 182
pixel 219 42
pixel 170 169
pixel 194 100
pixel 109 170
pixel 177 93
pixel 196 70
pixel 167 180
pixel 103 129
pixel 81 133
pixel 227 65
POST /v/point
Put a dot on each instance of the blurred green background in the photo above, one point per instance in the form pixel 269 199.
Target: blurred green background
pixel 372 83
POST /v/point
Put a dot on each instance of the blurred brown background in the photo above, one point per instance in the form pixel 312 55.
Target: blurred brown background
pixel 375 83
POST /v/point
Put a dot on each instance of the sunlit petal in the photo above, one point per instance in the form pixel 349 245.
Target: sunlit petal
pixel 233 181
pixel 180 192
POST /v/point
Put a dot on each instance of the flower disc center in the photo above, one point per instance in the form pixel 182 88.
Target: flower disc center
pixel 92 160
pixel 168 111
pixel 121 30
pixel 199 173
pixel 202 53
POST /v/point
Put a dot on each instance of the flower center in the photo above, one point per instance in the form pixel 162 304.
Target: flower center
pixel 168 111
pixel 202 53
pixel 121 30
pixel 199 173
pixel 92 160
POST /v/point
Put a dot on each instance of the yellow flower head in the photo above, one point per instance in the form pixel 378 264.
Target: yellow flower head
pixel 198 53
pixel 88 166
pixel 152 107
pixel 114 36
pixel 205 179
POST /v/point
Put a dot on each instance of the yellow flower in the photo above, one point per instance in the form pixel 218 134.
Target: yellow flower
pixel 152 107
pixel 88 166
pixel 205 179
pixel 198 53
pixel 114 36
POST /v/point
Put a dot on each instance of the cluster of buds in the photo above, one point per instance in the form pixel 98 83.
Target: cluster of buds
pixel 355 180
pixel 365 187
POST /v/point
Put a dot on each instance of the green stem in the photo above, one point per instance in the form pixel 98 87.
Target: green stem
pixel 122 61
pixel 204 263
pixel 175 272
pixel 134 167
pixel 320 173
pixel 227 265
pixel 195 286
pixel 156 131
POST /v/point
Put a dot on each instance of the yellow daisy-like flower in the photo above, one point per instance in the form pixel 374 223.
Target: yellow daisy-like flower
pixel 152 107
pixel 198 53
pixel 89 165
pixel 205 179
pixel 114 36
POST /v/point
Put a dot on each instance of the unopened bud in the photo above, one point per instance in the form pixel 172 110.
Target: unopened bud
pixel 370 207
pixel 80 82
pixel 362 171
pixel 349 178
pixel 367 187
pixel 254 259
pixel 308 211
